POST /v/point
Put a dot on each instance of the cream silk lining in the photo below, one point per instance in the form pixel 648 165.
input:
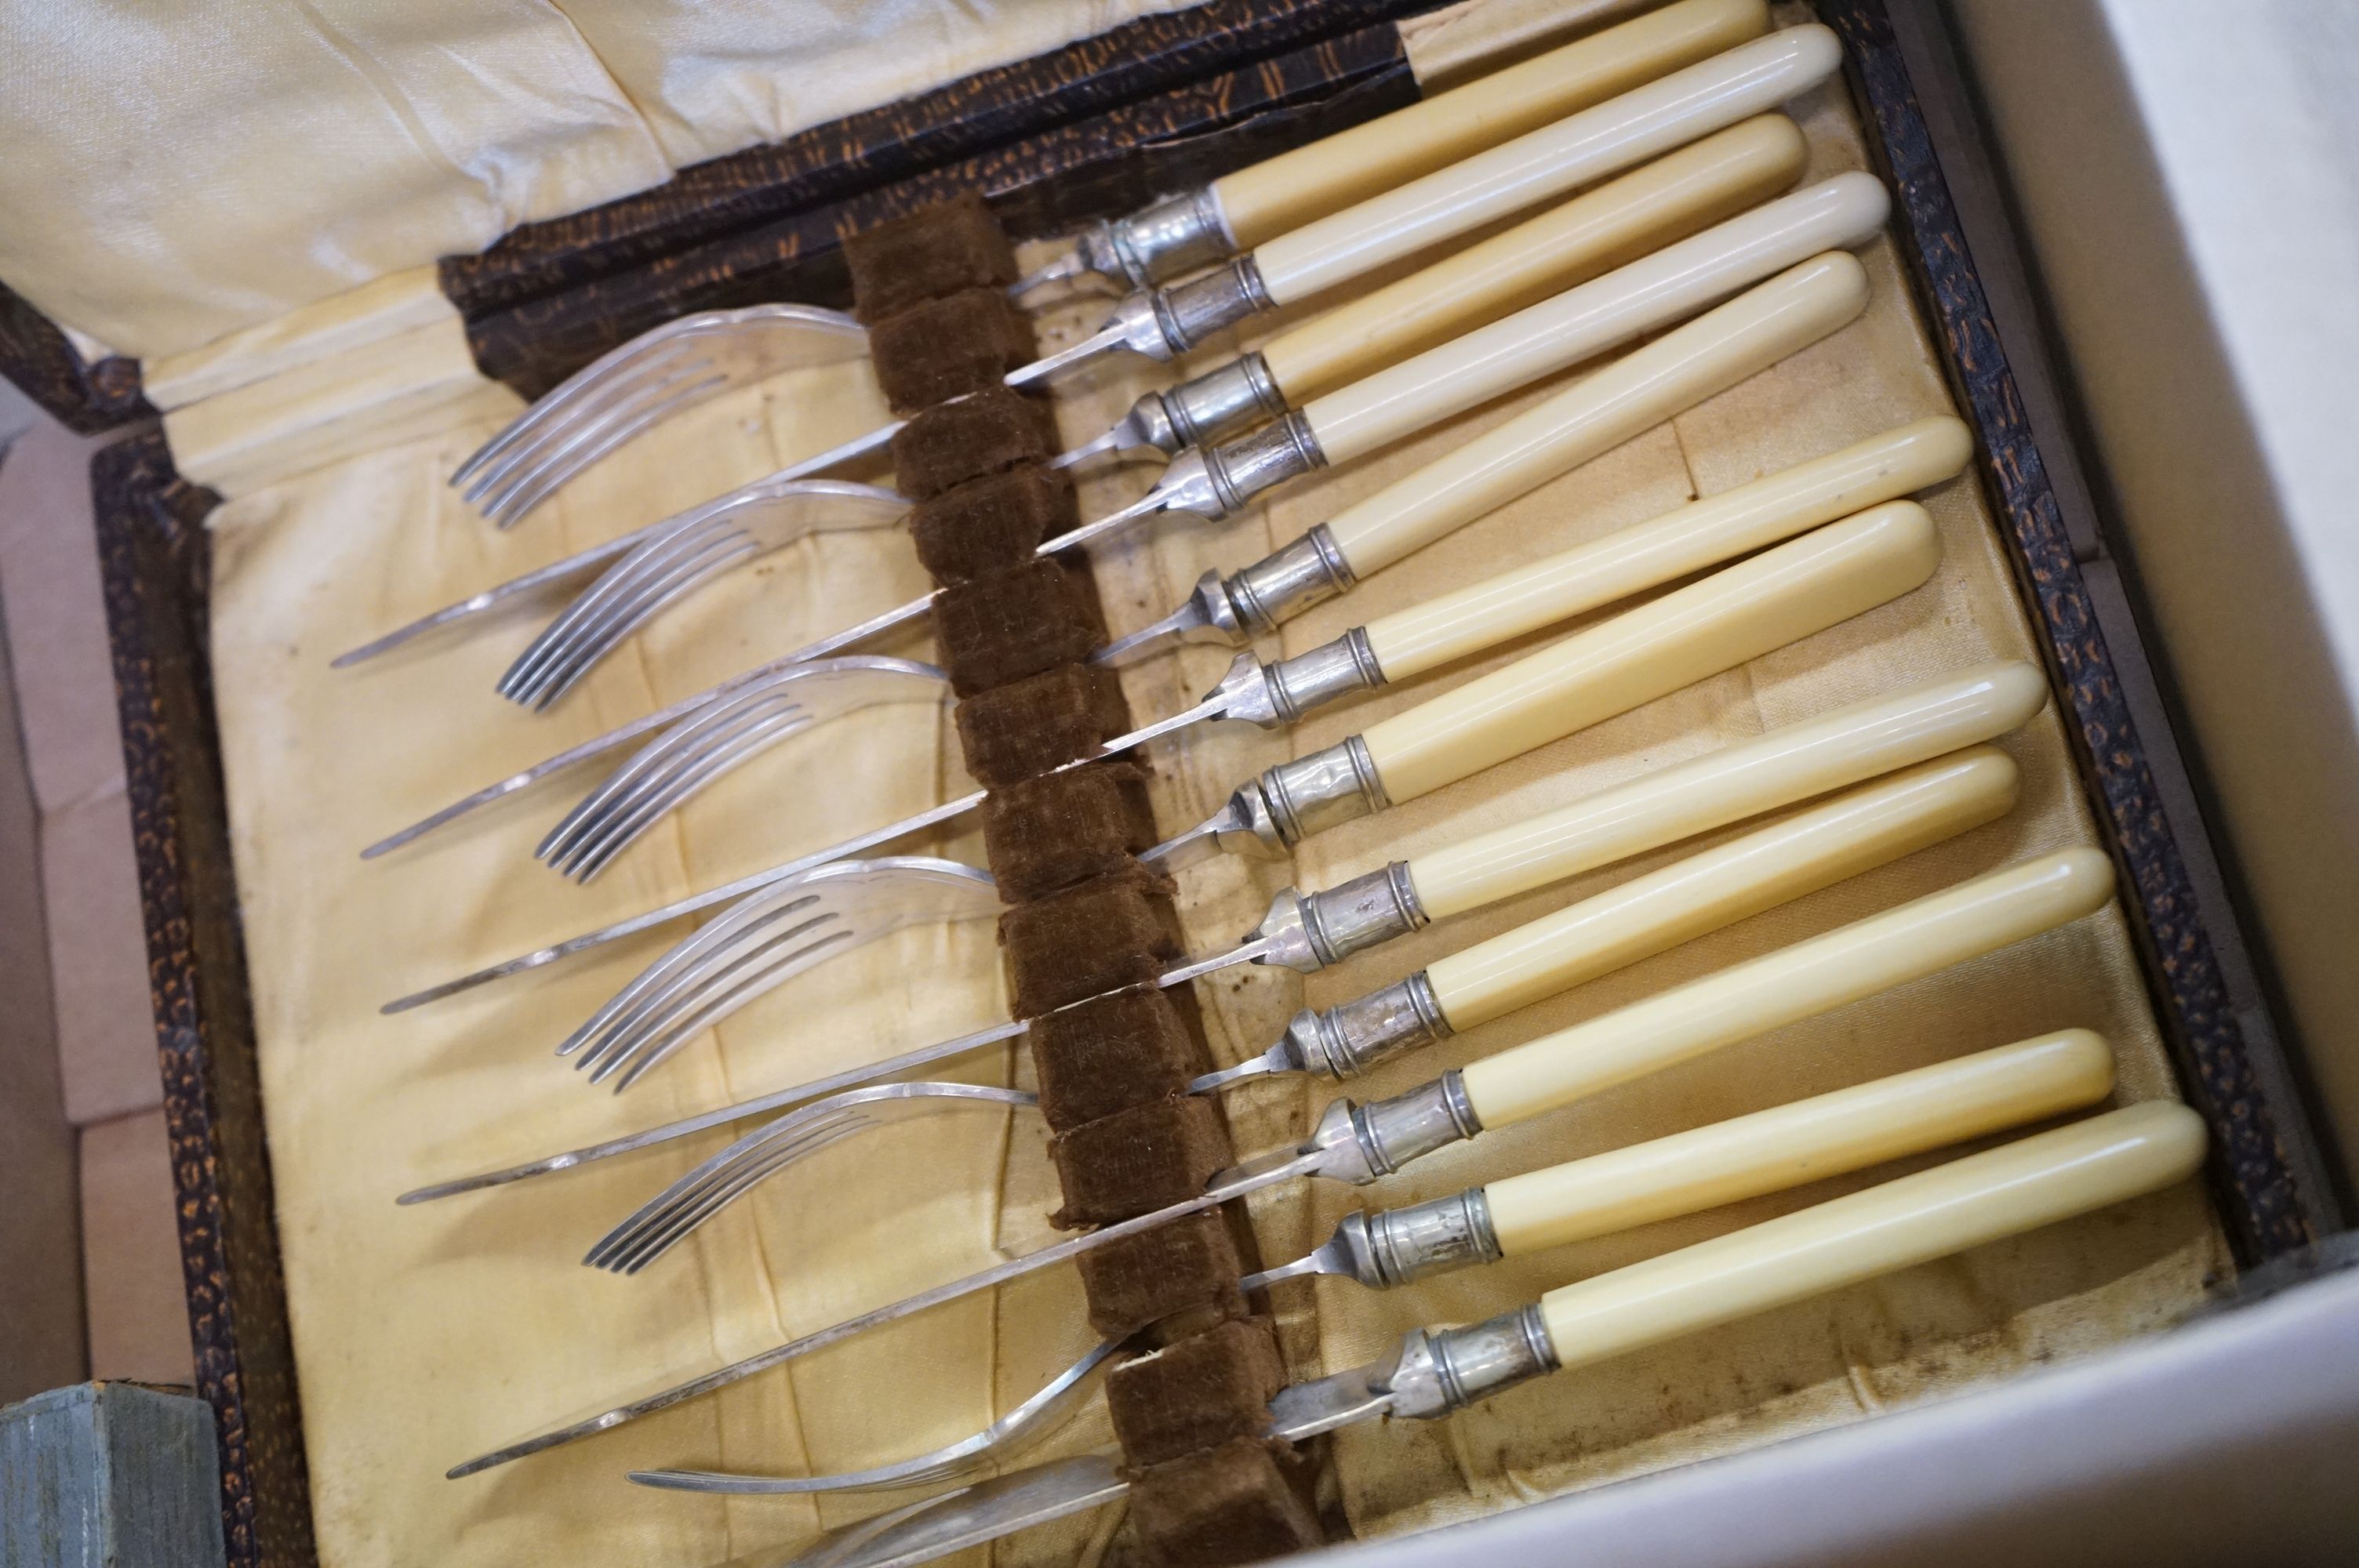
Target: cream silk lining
pixel 427 1335
pixel 177 173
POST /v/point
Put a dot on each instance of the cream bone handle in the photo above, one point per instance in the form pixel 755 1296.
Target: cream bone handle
pixel 1640 390
pixel 1863 828
pixel 1639 296
pixel 1544 164
pixel 2017 1187
pixel 1700 535
pixel 1810 977
pixel 1607 227
pixel 1789 1145
pixel 1739 613
pixel 1744 1157
pixel 1985 1197
pixel 1262 201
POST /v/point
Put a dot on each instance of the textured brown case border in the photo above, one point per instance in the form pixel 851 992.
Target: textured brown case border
pixel 82 396
pixel 153 555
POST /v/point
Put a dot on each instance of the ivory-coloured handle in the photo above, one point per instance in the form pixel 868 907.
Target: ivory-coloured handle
pixel 1737 613
pixel 1545 164
pixel 1863 827
pixel 1616 222
pixel 1330 174
pixel 1635 298
pixel 1699 535
pixel 1808 1141
pixel 1790 763
pixel 1600 411
pixel 1800 982
pixel 2001 1192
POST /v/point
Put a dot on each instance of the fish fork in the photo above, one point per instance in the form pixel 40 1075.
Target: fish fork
pixel 1664 200
pixel 1714 624
pixel 1858 830
pixel 1361 1144
pixel 640 384
pixel 637 385
pixel 708 542
pixel 1999 1193
pixel 1784 767
pixel 1685 1173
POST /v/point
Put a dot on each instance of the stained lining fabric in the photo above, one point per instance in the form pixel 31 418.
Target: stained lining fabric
pixel 426 1334
pixel 178 173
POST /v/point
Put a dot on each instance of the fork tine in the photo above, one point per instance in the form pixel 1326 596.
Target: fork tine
pixel 630 574
pixel 754 910
pixel 624 827
pixel 651 1056
pixel 551 476
pixel 623 614
pixel 663 1223
pixel 584 388
pixel 652 763
pixel 632 388
pixel 693 985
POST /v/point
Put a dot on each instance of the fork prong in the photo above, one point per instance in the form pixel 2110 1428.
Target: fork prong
pixel 751 912
pixel 631 575
pixel 687 998
pixel 594 639
pixel 652 763
pixel 585 388
pixel 651 1056
pixel 637 385
pixel 665 1223
pixel 623 827
pixel 550 477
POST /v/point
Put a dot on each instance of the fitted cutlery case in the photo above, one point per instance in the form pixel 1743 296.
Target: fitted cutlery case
pixel 293 503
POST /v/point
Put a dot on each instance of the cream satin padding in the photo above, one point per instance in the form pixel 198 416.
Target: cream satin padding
pixel 1870 825
pixel 1647 555
pixel 344 323
pixel 1327 176
pixel 1786 765
pixel 1586 320
pixel 2001 1192
pixel 1668 199
pixel 1740 613
pixel 721 75
pixel 1602 410
pixel 1490 185
pixel 175 173
pixel 1808 1141
pixel 1797 983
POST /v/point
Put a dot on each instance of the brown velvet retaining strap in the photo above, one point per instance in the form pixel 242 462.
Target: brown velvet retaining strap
pixel 1139 1160
pixel 1187 1269
pixel 999 629
pixel 1236 1503
pixel 992 524
pixel 1205 1391
pixel 936 251
pixel 987 432
pixel 1056 831
pixel 947 348
pixel 1108 932
pixel 1022 730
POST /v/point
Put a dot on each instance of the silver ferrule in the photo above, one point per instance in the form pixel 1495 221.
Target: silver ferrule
pixel 1209 406
pixel 1359 1143
pixel 1287 582
pixel 1272 695
pixel 1351 1037
pixel 1395 1245
pixel 1172 237
pixel 1244 468
pixel 1274 811
pixel 1309 932
pixel 1435 1372
pixel 1192 311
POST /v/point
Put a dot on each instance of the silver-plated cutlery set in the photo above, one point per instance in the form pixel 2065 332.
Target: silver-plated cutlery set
pixel 1644 178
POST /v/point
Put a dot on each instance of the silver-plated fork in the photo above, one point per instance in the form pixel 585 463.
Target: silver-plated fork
pixel 763 941
pixel 639 385
pixel 701 545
